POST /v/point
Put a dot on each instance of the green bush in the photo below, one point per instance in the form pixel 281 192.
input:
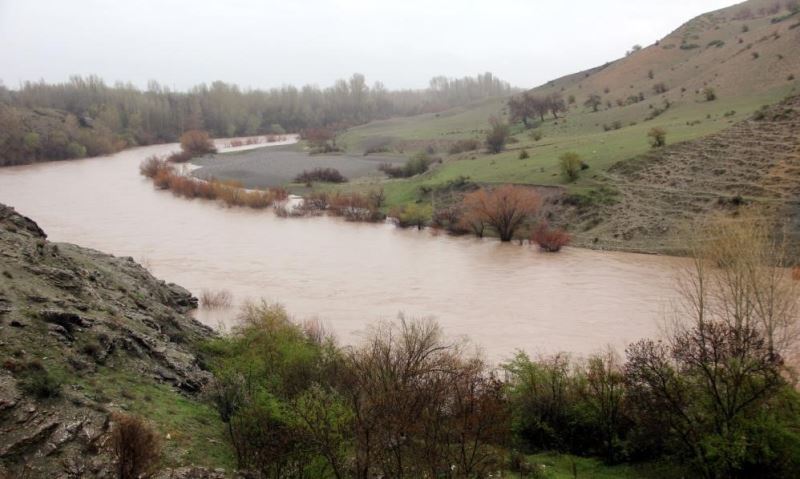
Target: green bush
pixel 657 137
pixel 40 383
pixel 498 135
pixel 416 165
pixel 76 150
pixel 412 215
pixel 570 165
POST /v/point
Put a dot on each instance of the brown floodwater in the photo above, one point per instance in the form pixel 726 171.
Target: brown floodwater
pixel 501 296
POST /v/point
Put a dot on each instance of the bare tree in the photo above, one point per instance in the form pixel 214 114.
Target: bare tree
pixel 504 208
pixel 739 275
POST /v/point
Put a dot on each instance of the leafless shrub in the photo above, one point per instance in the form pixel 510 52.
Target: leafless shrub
pixel 550 239
pixel 218 299
pixel 135 446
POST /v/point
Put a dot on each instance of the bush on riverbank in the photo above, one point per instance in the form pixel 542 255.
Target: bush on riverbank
pixel 354 207
pixel 231 193
pixel 193 143
pixel 504 208
pixel 152 166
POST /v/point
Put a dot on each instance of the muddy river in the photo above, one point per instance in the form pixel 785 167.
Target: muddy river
pixel 502 296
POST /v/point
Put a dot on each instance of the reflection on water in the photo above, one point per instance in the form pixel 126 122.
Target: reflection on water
pixel 501 296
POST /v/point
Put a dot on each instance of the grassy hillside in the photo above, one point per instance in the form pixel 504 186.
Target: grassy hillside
pixel 745 53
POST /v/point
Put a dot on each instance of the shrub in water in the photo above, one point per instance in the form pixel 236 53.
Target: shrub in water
pixel 550 239
pixel 216 299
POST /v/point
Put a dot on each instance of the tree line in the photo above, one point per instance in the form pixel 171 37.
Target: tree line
pixel 86 117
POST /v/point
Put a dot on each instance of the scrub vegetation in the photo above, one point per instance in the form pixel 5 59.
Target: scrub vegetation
pixel 708 399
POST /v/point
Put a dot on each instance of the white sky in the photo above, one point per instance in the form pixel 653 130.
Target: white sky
pixel 267 43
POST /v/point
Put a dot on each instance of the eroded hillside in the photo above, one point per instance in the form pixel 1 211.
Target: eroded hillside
pixel 755 162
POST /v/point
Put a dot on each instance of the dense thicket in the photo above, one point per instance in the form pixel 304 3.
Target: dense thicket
pixel 86 117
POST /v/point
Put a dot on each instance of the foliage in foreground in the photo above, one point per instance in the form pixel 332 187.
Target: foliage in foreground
pixel 404 404
pixel 713 398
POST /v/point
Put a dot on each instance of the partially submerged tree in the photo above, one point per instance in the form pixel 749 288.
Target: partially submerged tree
pixel 504 208
pixel 197 143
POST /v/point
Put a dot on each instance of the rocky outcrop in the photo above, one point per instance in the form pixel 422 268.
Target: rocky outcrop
pixel 69 318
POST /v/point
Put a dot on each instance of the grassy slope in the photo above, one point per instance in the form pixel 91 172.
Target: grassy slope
pixel 560 466
pixel 743 83
pixel 196 434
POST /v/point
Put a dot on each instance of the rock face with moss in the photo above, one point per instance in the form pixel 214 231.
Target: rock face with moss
pixel 70 318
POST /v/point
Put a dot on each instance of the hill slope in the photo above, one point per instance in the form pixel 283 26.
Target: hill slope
pixel 747 54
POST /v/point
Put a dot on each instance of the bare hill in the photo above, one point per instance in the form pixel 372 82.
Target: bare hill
pixel 745 49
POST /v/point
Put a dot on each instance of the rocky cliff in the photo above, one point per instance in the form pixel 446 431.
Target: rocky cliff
pixel 82 334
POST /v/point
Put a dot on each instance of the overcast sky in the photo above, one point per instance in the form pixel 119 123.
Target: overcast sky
pixel 265 43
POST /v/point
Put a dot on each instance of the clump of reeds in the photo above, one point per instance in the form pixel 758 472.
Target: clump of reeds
pixel 152 166
pixel 216 299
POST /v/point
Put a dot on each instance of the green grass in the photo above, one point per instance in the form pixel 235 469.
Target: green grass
pixel 582 132
pixel 560 466
pixel 197 435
